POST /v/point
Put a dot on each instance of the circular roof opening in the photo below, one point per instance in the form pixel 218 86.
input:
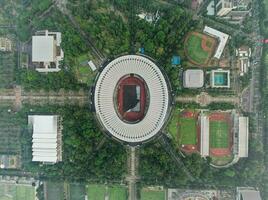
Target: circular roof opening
pixel 132 99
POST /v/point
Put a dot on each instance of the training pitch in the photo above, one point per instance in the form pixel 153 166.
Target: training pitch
pixel 152 195
pixel 16 192
pixel 101 192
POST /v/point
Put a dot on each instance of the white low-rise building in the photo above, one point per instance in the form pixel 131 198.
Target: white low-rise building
pixel 243 54
pixel 248 193
pixel 243 137
pixel 220 36
pixel 193 78
pixel 46 139
pixel 204 126
pixel 46 51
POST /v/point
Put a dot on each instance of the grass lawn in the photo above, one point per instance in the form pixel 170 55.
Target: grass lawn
pixel 152 195
pixel 16 192
pixel 96 192
pixel 173 122
pixel 117 193
pixel 221 160
pixel 219 134
pixel 188 131
pixel 194 49
pixel 83 71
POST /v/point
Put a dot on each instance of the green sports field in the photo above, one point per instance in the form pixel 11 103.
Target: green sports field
pixel 219 134
pixel 152 195
pixel 114 192
pixel 188 131
pixel 117 193
pixel 16 192
pixel 194 50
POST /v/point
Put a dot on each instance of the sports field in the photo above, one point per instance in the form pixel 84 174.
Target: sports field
pixel 188 131
pixel 219 134
pixel 199 48
pixel 152 195
pixel 16 192
pixel 99 192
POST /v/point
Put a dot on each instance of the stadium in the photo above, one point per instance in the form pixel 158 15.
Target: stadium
pixel 131 99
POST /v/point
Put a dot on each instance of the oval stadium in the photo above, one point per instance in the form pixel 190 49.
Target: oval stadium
pixel 131 99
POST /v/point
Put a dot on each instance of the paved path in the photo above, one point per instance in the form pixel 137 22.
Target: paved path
pixel 18 96
pixel 204 99
pixel 132 176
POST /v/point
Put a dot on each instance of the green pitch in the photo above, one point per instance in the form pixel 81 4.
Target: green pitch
pixel 188 131
pixel 13 192
pixel 117 193
pixel 152 195
pixel 194 49
pixel 99 192
pixel 219 134
pixel 96 192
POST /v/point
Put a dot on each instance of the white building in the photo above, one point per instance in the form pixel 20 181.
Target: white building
pixel 193 78
pixel 243 54
pixel 220 78
pixel 222 38
pixel 243 137
pixel 46 139
pixel 223 7
pixel 247 193
pixel 5 44
pixel 46 51
pixel 204 145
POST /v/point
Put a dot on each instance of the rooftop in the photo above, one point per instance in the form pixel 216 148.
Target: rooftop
pixel 193 78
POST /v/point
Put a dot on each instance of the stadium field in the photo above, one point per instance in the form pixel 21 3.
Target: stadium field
pixel 16 192
pixel 188 131
pixel 152 195
pixel 199 48
pixel 219 134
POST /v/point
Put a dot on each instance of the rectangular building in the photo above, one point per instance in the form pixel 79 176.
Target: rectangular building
pixel 204 145
pixel 243 137
pixel 220 36
pixel 223 7
pixel 46 139
pixel 46 51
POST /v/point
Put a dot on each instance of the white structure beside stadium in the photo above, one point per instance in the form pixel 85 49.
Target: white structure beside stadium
pixel 204 126
pixel 243 137
pixel 193 78
pixel 157 111
pixel 46 139
pixel 222 38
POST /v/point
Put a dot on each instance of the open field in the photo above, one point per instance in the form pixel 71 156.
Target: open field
pixel 16 192
pixel 219 134
pixel 7 65
pixel 188 131
pixel 77 191
pixel 99 192
pixel 173 124
pixel 83 72
pixel 10 131
pixel 55 190
pixel 199 48
pixel 152 195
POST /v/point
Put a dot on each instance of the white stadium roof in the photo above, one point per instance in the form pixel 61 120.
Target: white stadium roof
pixel 243 137
pixel 157 111
pixel 193 78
